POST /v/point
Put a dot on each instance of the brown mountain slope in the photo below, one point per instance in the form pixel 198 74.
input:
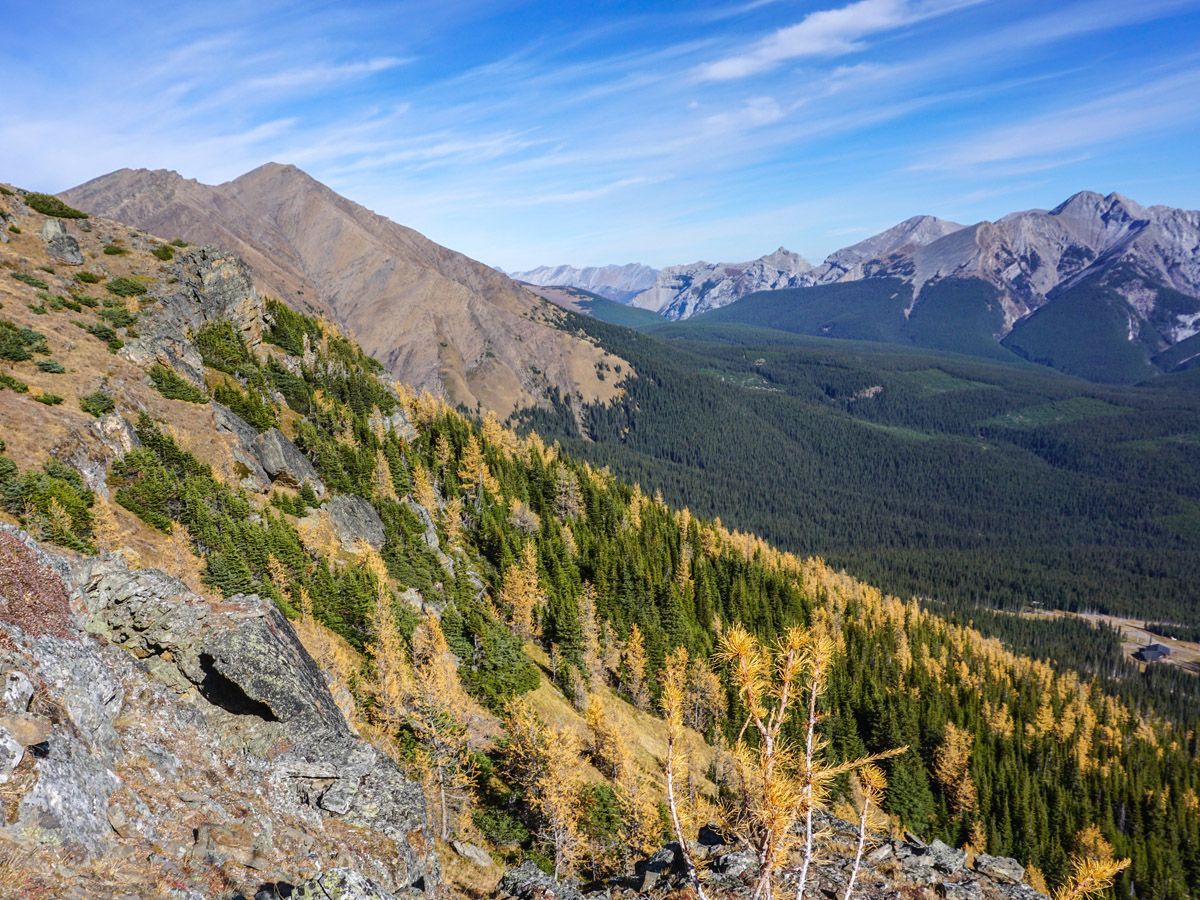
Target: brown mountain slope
pixel 434 317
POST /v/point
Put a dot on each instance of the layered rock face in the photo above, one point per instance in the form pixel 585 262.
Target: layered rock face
pixel 618 283
pixel 193 742
pixel 681 292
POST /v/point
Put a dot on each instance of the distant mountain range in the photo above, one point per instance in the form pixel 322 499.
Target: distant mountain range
pixel 1099 286
pixel 436 318
pixel 619 283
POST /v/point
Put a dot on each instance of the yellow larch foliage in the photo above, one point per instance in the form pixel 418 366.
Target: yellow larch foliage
pixel 633 668
pixel 381 480
pixel 593 653
pixel 474 473
pixel 951 767
pixel 422 488
pixel 452 513
pixel 636 502
pixel 547 762
pixel 612 755
pixel 521 593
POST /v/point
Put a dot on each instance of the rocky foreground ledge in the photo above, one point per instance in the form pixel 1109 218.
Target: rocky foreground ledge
pixel 162 744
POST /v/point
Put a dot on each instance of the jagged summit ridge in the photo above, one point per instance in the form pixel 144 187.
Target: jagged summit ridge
pixel 680 292
pixel 616 282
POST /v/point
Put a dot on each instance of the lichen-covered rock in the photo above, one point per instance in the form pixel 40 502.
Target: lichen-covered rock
pixel 208 285
pixel 528 882
pixel 340 884
pixel 60 245
pixel 282 461
pixel 244 450
pixel 191 733
pixel 242 655
pixel 1000 868
pixel 354 519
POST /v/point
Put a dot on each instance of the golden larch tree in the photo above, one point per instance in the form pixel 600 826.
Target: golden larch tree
pixel 521 593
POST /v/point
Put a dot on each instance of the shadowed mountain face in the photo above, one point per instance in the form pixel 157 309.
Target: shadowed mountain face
pixel 434 317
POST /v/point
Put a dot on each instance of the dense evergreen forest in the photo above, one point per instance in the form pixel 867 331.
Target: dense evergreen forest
pixel 1005 752
pixel 929 474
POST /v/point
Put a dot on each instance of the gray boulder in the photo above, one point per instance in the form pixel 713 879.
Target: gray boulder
pixel 945 858
pixel 18 690
pixel 354 519
pixel 281 460
pixel 473 854
pixel 397 422
pixel 60 245
pixel 244 451
pixel 528 882
pixel 245 659
pixel 961 890
pixel 1000 868
pixel 340 884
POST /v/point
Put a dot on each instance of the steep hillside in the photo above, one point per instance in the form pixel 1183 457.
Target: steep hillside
pixel 435 318
pixel 617 283
pixel 457 585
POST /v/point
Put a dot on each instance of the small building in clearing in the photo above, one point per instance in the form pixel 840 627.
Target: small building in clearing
pixel 1152 652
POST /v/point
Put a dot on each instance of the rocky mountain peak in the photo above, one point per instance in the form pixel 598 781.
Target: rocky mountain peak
pixel 438 319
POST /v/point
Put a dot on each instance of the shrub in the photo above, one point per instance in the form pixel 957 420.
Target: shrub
pixel 5 191
pixel 58 301
pixel 49 399
pixel 13 384
pixel 114 250
pixel 31 280
pixel 18 344
pixel 164 252
pixel 49 205
pixel 98 330
pixel 178 242
pixel 51 366
pixel 97 403
pixel 222 348
pixel 118 317
pixel 54 503
pixel 87 277
pixel 125 287
pixel 289 327
pixel 499 826
pixel 250 405
pixel 174 386
pixel 14 229
pixel 85 300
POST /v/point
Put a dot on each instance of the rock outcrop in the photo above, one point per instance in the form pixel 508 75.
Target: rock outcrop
pixel 354 519
pixel 282 461
pixel 141 721
pixel 60 245
pixel 206 285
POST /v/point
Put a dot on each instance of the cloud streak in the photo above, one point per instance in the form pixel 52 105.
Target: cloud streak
pixel 827 33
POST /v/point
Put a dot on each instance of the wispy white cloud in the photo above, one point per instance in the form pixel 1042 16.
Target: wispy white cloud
pixel 314 76
pixel 826 33
pixel 1057 135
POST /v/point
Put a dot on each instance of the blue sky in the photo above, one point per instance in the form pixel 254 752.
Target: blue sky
pixel 527 133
